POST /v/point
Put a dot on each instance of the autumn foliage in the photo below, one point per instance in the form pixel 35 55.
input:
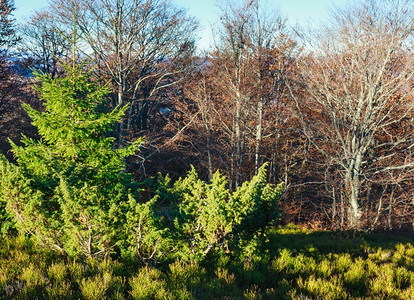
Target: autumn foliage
pixel 329 112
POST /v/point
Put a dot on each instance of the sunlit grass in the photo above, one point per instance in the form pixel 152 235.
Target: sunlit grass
pixel 293 264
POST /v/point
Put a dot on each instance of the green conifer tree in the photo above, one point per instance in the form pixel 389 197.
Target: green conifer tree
pixel 69 189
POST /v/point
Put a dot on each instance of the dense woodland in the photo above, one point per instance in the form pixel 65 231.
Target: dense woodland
pixel 146 168
pixel 328 108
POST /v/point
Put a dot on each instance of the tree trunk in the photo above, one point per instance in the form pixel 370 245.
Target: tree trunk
pixel 210 164
pixel 258 134
pixel 239 157
pixel 354 209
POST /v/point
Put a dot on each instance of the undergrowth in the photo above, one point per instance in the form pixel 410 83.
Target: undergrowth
pixel 293 264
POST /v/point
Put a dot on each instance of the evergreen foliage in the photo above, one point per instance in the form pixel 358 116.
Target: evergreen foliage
pixel 69 189
pixel 202 217
pixel 146 237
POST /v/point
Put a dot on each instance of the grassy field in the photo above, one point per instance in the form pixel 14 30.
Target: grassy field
pixel 295 264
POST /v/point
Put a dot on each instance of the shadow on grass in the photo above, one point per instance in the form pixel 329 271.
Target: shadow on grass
pixel 291 264
pixel 325 242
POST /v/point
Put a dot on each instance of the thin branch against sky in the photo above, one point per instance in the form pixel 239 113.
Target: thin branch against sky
pixel 297 12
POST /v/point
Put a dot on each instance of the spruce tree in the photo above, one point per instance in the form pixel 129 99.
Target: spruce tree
pixel 69 190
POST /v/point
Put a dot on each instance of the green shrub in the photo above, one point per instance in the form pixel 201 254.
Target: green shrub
pixel 383 284
pixel 205 217
pixel 407 294
pixel 149 284
pixel 252 293
pixel 324 269
pixel 32 276
pixel 409 250
pixel 402 277
pixel 57 272
pixel 185 274
pixel 284 261
pixel 145 237
pixel 356 279
pixel 76 270
pixel 61 290
pixel 224 276
pixel 283 290
pixel 95 287
pixel 343 262
pixel 322 288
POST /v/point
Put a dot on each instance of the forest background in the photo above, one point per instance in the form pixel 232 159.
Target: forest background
pixel 329 109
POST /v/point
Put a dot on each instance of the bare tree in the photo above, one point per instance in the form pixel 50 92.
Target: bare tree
pixel 251 60
pixel 201 92
pixel 359 80
pixel 272 51
pixel 138 45
pixel 13 87
pixel 8 37
pixel 44 42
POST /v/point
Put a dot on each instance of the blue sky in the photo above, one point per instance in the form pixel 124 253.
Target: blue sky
pixel 297 11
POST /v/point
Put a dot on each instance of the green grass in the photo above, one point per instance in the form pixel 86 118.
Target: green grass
pixel 293 264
